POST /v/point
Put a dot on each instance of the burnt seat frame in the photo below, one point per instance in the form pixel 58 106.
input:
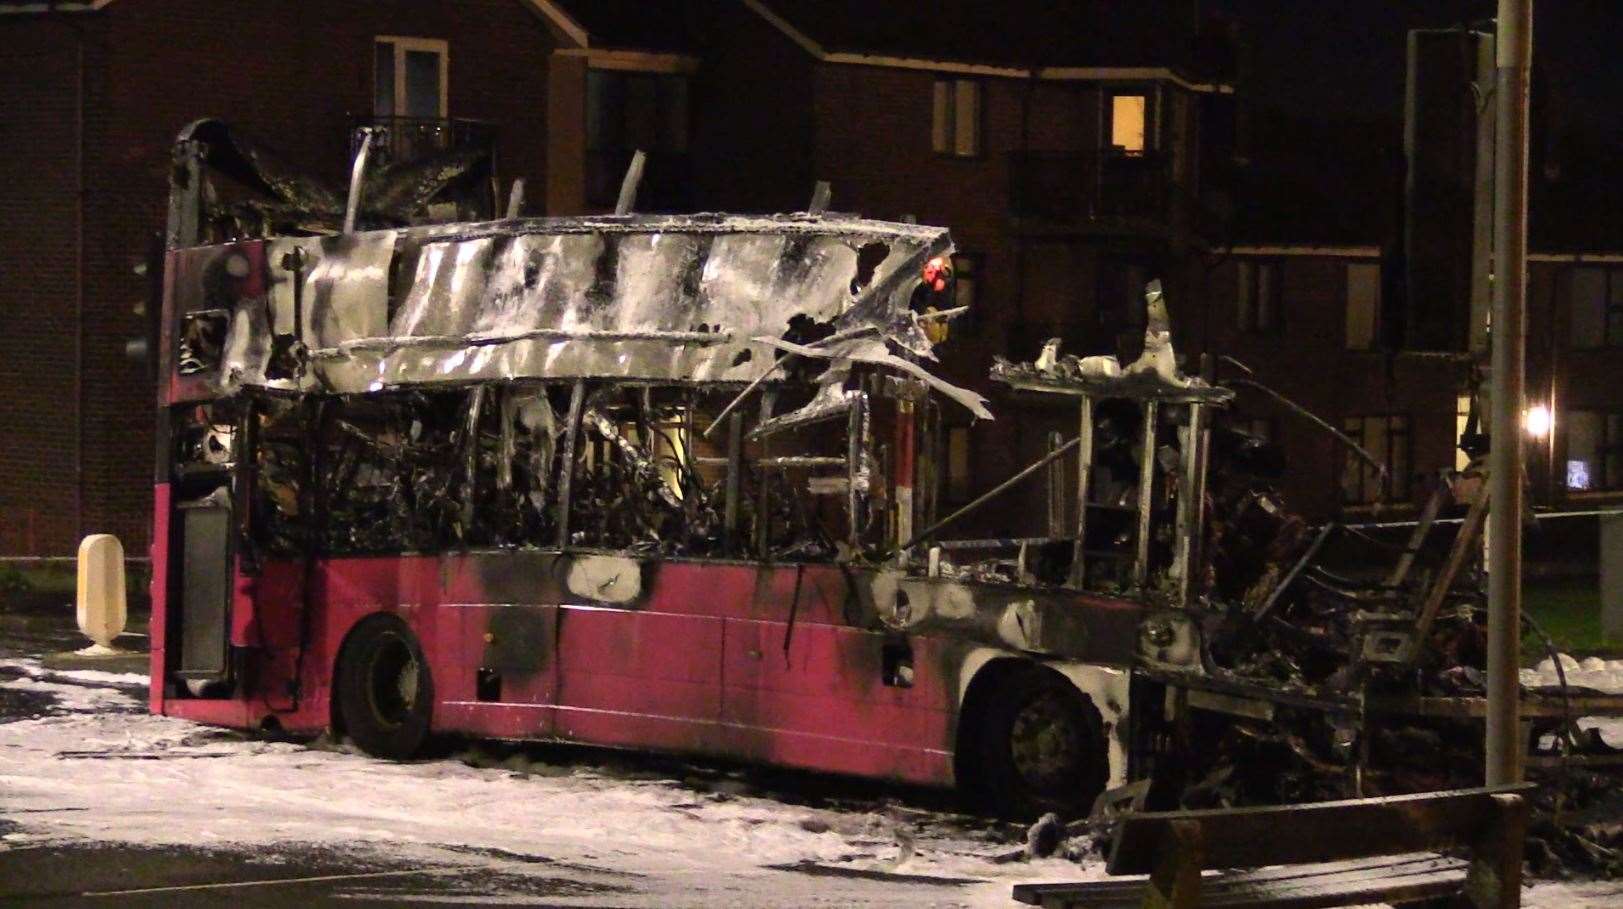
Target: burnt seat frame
pixel 1334 854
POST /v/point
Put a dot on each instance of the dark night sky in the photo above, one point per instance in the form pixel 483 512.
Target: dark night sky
pixel 1326 93
pixel 1322 58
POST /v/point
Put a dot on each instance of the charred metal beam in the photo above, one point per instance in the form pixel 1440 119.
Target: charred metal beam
pixel 1084 476
pixel 390 344
pixel 1457 555
pixel 1146 494
pixel 856 438
pixel 515 199
pixel 629 184
pixel 357 179
pixel 991 494
pixel 566 481
pixel 735 469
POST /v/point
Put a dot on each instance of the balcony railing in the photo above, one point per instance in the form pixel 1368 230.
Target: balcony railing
pixel 666 185
pixel 1103 189
pixel 404 139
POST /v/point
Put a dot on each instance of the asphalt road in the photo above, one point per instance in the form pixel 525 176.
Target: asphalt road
pixel 100 874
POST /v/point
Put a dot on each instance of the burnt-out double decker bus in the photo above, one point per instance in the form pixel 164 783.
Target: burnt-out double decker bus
pixel 643 481
pixel 674 483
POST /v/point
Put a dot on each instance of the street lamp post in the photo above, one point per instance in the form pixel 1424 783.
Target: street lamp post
pixel 1513 56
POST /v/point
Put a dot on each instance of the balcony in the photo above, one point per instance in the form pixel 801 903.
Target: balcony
pixel 666 185
pixel 1091 192
pixel 405 139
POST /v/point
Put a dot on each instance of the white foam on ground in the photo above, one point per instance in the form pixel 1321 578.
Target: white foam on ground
pixel 665 843
pixel 212 788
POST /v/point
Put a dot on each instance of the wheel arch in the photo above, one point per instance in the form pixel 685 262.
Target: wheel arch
pixel 335 710
pixel 1104 687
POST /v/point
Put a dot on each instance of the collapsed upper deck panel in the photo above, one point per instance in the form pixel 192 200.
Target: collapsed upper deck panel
pixel 655 298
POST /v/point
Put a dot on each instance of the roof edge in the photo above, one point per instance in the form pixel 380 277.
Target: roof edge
pixel 958 67
pixel 85 6
pixel 562 21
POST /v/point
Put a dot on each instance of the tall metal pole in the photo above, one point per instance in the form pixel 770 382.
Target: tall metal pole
pixel 1513 55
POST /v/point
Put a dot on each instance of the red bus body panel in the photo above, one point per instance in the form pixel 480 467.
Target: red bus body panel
pixel 757 662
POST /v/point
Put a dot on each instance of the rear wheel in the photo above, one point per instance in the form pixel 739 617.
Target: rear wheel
pixel 384 692
pixel 1040 747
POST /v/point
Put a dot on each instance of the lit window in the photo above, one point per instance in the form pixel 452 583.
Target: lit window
pixel 1597 307
pixel 409 78
pixel 1129 122
pixel 1462 421
pixel 957 463
pixel 1386 438
pixel 1257 296
pixel 1594 450
pixel 955 121
pixel 1363 305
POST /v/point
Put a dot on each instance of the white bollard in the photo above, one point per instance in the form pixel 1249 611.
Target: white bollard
pixel 102 607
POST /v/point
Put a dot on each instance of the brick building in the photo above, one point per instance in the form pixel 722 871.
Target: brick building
pixel 95 94
pixel 1063 144
pixel 1075 150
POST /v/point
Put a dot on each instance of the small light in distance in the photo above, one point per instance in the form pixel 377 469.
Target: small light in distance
pixel 1537 421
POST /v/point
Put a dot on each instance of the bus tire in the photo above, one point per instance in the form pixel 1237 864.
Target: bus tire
pixel 384 691
pixel 1039 746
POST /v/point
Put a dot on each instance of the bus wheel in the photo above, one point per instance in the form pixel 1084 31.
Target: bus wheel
pixel 384 691
pixel 1041 747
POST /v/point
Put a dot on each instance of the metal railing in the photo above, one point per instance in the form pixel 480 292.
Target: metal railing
pixel 402 139
pixel 1072 187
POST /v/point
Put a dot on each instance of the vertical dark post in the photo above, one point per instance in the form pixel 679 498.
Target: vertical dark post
pixel 763 497
pixel 854 465
pixel 1191 502
pixel 1513 55
pixel 1056 488
pixel 1495 878
pixel 1084 473
pixel 1175 883
pixel 1146 497
pixel 735 466
pixel 566 482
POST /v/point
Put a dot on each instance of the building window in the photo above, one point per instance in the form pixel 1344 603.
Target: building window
pixel 1462 422
pixel 1257 297
pixel 409 78
pixel 1597 307
pixel 1129 124
pixel 1594 450
pixel 955 120
pixel 629 111
pixel 958 463
pixel 1363 305
pixel 1386 438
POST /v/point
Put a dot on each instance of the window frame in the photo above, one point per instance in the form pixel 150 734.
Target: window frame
pixel 1107 114
pixel 1611 315
pixel 1246 272
pixel 958 488
pixel 1375 304
pixel 1606 444
pixel 971 276
pixel 402 44
pixel 944 118
pixel 1400 480
pixel 681 119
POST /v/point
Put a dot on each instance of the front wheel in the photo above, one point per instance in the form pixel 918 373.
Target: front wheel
pixel 384 691
pixel 1041 747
